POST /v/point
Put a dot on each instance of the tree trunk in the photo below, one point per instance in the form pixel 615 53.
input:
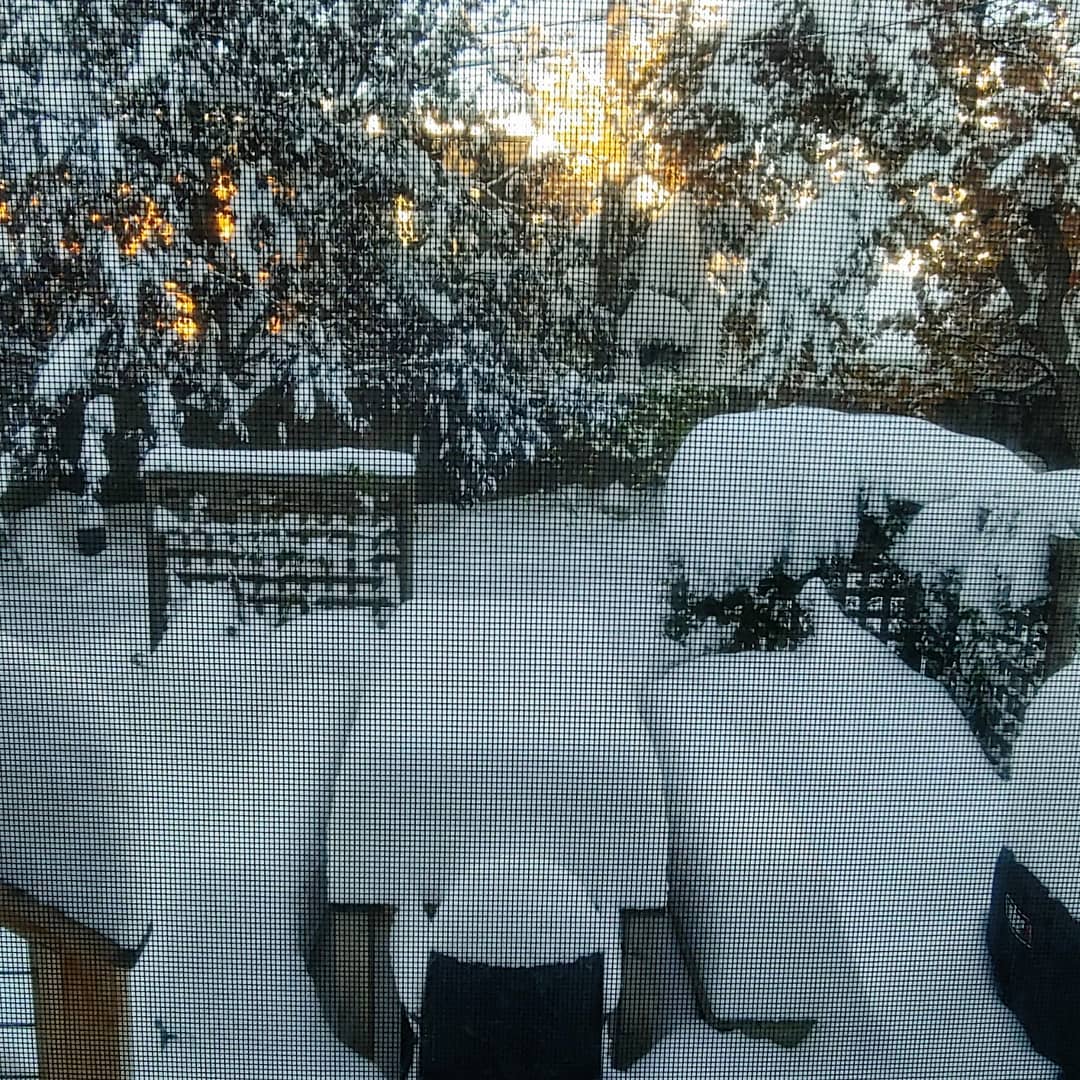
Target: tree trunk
pixel 1039 307
pixel 612 243
pixel 611 247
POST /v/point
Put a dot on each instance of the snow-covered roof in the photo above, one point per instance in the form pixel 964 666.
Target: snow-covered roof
pixel 568 781
pixel 173 457
pixel 69 823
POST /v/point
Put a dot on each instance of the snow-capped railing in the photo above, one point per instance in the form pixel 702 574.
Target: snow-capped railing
pixel 285 528
pixel 79 986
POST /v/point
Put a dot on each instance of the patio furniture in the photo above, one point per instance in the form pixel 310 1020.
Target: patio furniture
pixel 482 1022
pixel 1033 932
pixel 804 786
pixel 573 783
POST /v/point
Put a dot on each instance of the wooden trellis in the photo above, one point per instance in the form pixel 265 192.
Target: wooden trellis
pixel 283 529
pixel 1014 656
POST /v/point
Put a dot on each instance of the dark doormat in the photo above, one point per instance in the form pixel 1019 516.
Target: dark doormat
pixel 499 1023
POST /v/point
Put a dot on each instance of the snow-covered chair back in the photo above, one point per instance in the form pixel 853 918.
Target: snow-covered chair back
pixel 512 976
pixel 509 912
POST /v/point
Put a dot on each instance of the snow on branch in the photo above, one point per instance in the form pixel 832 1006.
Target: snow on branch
pixel 1048 142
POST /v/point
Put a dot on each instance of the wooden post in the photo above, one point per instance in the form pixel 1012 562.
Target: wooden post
pixel 366 1007
pixel 1063 629
pixel 634 1023
pixel 406 523
pixel 157 572
pixel 80 986
pixel 81 1016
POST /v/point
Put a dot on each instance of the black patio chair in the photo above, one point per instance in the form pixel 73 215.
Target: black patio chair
pixel 481 1022
pixel 1034 945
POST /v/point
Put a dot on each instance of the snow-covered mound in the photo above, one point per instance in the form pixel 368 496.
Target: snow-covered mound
pixel 1043 808
pixel 995 540
pixel 748 490
pixel 427 787
pixel 834 829
pixel 187 795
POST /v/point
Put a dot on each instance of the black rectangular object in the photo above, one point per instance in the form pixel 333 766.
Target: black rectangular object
pixel 481 1022
pixel 1034 945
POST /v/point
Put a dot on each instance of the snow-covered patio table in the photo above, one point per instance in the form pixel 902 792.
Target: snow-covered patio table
pixel 564 780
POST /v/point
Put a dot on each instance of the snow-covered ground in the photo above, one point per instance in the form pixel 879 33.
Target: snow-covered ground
pixel 222 749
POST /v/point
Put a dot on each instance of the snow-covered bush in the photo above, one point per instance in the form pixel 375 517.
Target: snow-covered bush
pixel 602 432
pixel 899 194
pixel 752 490
pixel 767 616
pixel 949 534
pixel 485 418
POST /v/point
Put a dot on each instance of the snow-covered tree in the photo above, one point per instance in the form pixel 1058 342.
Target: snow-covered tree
pixel 784 121
pixel 888 192
pixel 233 198
pixel 997 209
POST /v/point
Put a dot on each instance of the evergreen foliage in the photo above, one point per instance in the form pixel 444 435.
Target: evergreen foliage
pixel 232 198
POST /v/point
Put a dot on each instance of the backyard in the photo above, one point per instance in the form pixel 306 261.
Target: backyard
pixel 727 352
pixel 216 756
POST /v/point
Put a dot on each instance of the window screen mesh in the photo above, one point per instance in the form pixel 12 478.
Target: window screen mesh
pixel 539 541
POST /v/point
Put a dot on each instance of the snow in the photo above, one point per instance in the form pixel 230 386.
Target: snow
pixel 757 912
pixel 995 538
pixel 812 274
pixel 464 763
pixel 228 747
pixel 1043 812
pixel 157 43
pixel 749 489
pixel 670 259
pixel 69 363
pixel 177 458
pixel 224 749
pixel 834 835
pixel 655 318
pixel 188 792
pixel 1047 143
